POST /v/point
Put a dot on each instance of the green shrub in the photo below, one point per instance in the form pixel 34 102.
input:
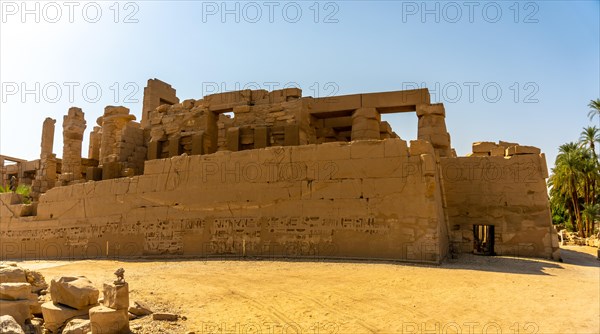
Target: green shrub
pixel 24 191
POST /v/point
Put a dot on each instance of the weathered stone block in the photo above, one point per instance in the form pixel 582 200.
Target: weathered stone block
pixel 246 135
pixel 498 151
pixel 174 146
pixel 292 92
pixel 116 296
pixel 164 316
pixel 428 165
pixel 516 150
pixel 77 292
pixel 395 147
pixel 105 320
pixel 56 315
pixel 478 154
pixel 484 147
pixel 154 166
pixel 8 325
pixel 367 149
pixel 20 310
pixel 10 274
pixel 153 150
pixel 543 166
pixel 368 113
pixel 198 143
pixel 93 174
pixel 292 135
pixel 241 109
pixel 233 139
pixel 140 309
pixel 77 326
pixel 418 147
pixel 413 97
pixel 15 291
pixel 432 123
pixel 385 127
pixel 261 137
pixel 431 109
pixel 440 140
pixel 111 170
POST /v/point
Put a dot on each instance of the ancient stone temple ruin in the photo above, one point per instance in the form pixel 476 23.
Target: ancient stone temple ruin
pixel 275 174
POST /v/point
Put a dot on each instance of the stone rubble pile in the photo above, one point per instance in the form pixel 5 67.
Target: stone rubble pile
pixel 573 238
pixel 21 294
pixel 72 297
pixel 74 306
pixel 112 316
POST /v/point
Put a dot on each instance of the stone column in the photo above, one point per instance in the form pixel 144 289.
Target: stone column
pixel 94 147
pixel 113 122
pixel 432 127
pixel 208 122
pixel 47 143
pixel 365 124
pixel 73 127
pixel 45 177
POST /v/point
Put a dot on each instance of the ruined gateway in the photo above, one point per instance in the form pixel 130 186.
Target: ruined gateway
pixel 286 176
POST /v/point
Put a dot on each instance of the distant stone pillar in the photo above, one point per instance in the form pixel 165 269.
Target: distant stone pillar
pixel 45 177
pixel 291 135
pixel 432 127
pixel 47 143
pixel 73 127
pixel 113 122
pixel 233 139
pixel 95 140
pixel 365 124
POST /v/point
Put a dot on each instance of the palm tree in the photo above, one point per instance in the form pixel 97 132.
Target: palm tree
pixel 575 180
pixel 589 137
pixel 565 180
pixel 591 213
pixel 595 109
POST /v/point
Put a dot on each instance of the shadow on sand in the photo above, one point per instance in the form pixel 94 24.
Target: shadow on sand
pixel 515 265
pixel 502 264
pixel 579 258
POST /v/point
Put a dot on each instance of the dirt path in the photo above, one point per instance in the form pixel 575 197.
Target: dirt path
pixel 472 294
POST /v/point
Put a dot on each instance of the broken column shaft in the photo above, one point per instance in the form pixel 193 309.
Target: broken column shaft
pixel 73 127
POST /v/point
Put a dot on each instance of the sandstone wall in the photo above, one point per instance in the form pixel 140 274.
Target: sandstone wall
pixel 507 192
pixel 156 93
pixel 261 119
pixel 366 199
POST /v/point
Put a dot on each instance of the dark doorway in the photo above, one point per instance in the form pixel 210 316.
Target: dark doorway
pixel 483 239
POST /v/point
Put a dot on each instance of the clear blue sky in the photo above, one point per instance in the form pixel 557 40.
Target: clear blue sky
pixel 542 57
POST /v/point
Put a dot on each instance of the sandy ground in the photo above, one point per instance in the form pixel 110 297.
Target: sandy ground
pixel 470 295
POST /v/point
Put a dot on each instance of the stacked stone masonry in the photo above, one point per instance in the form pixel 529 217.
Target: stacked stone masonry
pixel 73 127
pixel 275 174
